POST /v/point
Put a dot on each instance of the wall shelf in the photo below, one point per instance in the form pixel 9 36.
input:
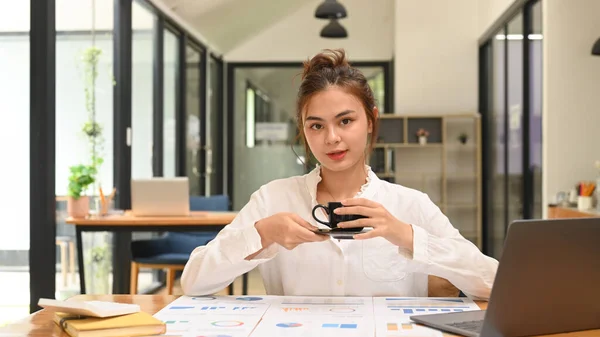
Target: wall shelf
pixel 444 168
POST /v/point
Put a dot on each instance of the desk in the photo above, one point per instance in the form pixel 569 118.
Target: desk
pixel 40 324
pixel 560 212
pixel 195 222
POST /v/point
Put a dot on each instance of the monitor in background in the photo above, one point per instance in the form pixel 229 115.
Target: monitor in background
pixel 548 281
pixel 160 197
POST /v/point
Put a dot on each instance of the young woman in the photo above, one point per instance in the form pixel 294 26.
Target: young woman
pixel 411 238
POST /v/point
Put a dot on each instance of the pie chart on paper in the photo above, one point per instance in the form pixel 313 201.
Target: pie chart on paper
pixel 227 324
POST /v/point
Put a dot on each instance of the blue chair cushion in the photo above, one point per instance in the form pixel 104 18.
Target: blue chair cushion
pixel 179 244
pixel 169 258
pixel 213 203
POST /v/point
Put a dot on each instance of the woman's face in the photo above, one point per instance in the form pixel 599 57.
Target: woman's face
pixel 336 129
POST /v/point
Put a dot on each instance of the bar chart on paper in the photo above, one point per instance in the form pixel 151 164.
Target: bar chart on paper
pixel 211 316
pixel 408 306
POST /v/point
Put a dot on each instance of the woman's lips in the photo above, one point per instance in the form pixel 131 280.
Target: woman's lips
pixel 338 155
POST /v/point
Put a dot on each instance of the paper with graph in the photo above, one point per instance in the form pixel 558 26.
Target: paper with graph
pixel 299 316
pixel 393 314
pixel 213 315
pixel 318 316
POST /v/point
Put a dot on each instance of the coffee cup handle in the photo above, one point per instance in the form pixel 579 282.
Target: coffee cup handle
pixel 315 216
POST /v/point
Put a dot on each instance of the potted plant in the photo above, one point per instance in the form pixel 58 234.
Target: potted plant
pixel 422 135
pixel 78 203
pixel 463 137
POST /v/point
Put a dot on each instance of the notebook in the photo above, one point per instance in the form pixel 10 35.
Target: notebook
pixel 137 324
pixel 89 308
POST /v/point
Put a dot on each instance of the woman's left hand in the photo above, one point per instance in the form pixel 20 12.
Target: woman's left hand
pixel 384 224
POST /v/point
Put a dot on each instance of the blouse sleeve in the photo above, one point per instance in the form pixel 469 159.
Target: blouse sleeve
pixel 439 249
pixel 212 267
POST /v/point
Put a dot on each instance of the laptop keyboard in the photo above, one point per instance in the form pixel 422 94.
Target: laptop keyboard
pixel 474 326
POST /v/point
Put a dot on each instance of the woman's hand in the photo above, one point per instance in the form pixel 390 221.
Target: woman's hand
pixel 288 230
pixel 384 224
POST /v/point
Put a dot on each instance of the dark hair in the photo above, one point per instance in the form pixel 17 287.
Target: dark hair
pixel 331 68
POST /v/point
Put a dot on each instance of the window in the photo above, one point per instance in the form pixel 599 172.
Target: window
pixel 142 72
pixel 258 113
pixel 15 149
pixel 170 67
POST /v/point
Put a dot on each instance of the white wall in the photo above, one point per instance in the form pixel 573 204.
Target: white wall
pixel 571 94
pixel 435 56
pixel 489 11
pixel 296 37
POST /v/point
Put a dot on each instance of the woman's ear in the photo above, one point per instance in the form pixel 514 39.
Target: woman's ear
pixel 376 115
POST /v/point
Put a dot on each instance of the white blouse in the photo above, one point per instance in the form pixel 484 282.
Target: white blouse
pixel 371 267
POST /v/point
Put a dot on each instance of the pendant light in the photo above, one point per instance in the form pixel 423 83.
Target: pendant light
pixel 331 9
pixel 596 48
pixel 334 30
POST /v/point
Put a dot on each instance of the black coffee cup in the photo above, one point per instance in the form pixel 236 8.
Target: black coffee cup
pixel 335 219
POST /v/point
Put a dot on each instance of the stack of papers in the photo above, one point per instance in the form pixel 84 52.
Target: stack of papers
pixel 267 316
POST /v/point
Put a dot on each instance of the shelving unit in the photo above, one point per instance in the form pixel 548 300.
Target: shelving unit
pixel 444 168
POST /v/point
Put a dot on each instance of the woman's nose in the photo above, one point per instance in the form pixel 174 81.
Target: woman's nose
pixel 332 136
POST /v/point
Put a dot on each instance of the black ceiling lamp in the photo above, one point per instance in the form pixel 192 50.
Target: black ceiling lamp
pixel 596 48
pixel 331 9
pixel 334 30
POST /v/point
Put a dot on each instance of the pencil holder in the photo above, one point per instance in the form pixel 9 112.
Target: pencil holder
pixel 584 203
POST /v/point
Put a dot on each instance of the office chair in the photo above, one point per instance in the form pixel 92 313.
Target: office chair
pixel 172 251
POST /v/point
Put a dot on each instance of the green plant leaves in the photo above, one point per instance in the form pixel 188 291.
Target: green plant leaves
pixel 82 176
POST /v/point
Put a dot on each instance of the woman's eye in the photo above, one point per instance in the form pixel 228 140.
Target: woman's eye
pixel 316 126
pixel 346 121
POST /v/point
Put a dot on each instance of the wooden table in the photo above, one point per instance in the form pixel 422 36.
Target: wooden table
pixel 40 324
pixel 560 212
pixel 128 223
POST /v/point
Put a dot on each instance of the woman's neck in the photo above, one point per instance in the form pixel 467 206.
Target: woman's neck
pixel 343 184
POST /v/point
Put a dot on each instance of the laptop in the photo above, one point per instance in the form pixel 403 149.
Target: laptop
pixel 160 197
pixel 548 281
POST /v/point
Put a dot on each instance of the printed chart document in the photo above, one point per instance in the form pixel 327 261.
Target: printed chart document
pixel 299 316
pixel 318 316
pixel 213 315
pixel 393 314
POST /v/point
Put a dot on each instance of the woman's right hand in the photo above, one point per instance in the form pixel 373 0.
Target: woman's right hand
pixel 288 230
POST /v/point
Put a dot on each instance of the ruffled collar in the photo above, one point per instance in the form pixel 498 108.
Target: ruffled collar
pixel 366 190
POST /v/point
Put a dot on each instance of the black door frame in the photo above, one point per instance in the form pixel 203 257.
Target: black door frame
pixel 486 52
pixel 218 173
pixel 42 158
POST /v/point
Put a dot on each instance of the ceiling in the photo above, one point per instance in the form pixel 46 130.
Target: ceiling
pixel 227 23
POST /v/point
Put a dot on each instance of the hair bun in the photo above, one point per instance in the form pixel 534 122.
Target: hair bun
pixel 326 59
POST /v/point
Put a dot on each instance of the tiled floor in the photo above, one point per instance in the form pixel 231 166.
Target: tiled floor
pixel 14 291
